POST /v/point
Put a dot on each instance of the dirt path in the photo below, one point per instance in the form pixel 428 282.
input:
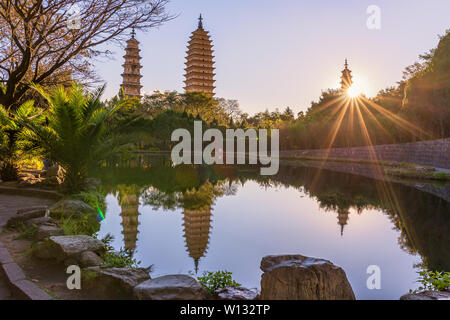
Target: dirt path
pixel 9 204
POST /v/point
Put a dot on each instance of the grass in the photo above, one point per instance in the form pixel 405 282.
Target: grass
pixel 25 232
pixel 75 225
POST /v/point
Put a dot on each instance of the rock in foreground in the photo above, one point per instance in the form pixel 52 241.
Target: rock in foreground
pixel 172 287
pixel 68 247
pixel 427 295
pixel 236 293
pixel 116 282
pixel 296 277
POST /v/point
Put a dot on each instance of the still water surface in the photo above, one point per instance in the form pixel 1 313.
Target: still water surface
pixel 192 219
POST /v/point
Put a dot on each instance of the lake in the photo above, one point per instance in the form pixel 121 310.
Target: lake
pixel 190 219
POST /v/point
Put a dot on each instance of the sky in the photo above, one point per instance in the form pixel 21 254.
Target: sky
pixel 274 54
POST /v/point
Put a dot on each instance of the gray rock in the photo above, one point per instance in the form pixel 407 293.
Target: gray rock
pixel 172 287
pixel 236 293
pixel 296 277
pixel 40 221
pixel 118 282
pixel 63 247
pixel 35 208
pixel 22 217
pixel 90 259
pixel 72 207
pixel 44 231
pixel 427 295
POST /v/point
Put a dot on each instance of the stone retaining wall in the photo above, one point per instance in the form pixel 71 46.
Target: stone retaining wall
pixel 434 153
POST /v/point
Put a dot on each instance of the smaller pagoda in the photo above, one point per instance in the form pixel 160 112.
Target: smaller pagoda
pixel 346 78
pixel 131 75
pixel 343 216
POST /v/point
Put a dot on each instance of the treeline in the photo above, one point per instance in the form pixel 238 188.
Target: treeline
pixel 417 108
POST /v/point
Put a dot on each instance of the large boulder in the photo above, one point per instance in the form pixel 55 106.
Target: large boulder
pixel 115 282
pixel 72 207
pixel 64 248
pixel 296 277
pixel 235 293
pixel 427 295
pixel 171 287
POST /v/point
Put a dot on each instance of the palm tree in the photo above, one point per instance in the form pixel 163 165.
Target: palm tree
pixel 80 131
pixel 12 142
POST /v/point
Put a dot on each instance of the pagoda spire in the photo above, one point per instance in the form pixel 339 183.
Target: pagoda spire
pixel 131 75
pixel 346 78
pixel 200 62
pixel 200 22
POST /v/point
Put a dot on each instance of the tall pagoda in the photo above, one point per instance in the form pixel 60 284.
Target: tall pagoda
pixel 346 78
pixel 197 225
pixel 131 75
pixel 200 64
pixel 129 202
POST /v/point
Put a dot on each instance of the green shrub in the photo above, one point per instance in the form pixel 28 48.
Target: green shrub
pixel 121 259
pixel 75 225
pixel 25 232
pixel 433 280
pixel 213 281
pixel 92 198
pixel 441 176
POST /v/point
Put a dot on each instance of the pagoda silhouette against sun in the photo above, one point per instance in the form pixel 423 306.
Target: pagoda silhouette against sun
pixel 131 75
pixel 199 62
pixel 346 78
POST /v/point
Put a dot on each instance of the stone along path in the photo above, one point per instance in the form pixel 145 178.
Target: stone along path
pixel 9 204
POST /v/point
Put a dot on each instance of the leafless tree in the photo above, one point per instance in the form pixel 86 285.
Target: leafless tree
pixel 230 108
pixel 52 42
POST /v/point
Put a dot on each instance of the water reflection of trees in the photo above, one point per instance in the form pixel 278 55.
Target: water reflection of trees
pixel 421 218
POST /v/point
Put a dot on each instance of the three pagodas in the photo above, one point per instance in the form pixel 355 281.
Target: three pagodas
pixel 199 65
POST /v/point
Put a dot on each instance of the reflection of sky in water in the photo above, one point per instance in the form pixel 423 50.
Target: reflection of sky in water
pixel 257 222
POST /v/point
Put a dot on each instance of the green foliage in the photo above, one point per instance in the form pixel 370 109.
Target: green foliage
pixel 95 199
pixel 213 281
pixel 121 259
pixel 12 140
pixel 441 176
pixel 78 133
pixel 75 225
pixel 25 232
pixel 433 281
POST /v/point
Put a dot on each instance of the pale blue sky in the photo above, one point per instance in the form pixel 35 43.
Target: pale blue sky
pixel 283 53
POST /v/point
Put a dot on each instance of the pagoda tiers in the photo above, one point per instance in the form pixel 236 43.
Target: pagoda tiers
pixel 132 69
pixel 130 220
pixel 199 66
pixel 346 78
pixel 197 225
pixel 343 219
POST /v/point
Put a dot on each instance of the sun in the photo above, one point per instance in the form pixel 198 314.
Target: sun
pixel 353 92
